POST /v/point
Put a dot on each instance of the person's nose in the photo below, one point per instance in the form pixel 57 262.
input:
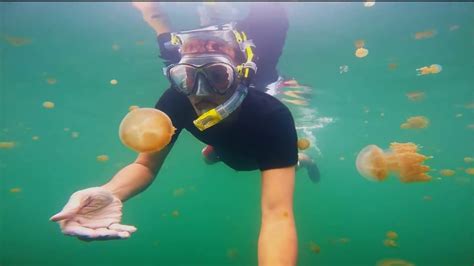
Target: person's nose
pixel 202 87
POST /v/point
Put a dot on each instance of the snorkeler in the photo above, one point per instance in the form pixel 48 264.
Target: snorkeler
pixel 251 130
pixel 266 25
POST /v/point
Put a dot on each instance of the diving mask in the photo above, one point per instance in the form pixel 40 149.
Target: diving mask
pixel 216 70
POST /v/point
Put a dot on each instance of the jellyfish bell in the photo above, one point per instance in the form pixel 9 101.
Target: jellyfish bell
pixel 435 68
pixel 361 52
pixel 146 130
pixel 371 163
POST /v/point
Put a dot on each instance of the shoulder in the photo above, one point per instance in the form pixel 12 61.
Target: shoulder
pixel 265 104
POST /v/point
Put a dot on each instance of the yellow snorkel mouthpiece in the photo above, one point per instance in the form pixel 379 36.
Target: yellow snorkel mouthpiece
pixel 216 115
pixel 208 119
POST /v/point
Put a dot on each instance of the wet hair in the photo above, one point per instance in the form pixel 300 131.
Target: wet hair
pixel 215 45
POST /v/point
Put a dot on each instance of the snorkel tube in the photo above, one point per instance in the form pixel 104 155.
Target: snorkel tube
pixel 214 116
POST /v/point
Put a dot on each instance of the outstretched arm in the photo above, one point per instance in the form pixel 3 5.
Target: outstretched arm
pixel 277 243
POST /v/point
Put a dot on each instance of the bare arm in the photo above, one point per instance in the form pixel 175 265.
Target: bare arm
pixel 154 15
pixel 277 243
pixel 137 176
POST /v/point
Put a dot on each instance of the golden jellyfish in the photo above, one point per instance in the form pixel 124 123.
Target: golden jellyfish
pixel 114 82
pixel 303 144
pixel 390 243
pixel 394 262
pixel 469 171
pixel 361 52
pixel 17 41
pixel 315 248
pixel 115 47
pixel 392 66
pixel 232 253
pixel 468 159
pixel 435 68
pixel 51 81
pixel 175 213
pixel 432 69
pixel 359 43
pixel 392 235
pixel 402 159
pixel 75 135
pixel 7 144
pixel 35 138
pixel 416 96
pixel 415 122
pixel 146 130
pixel 48 105
pixel 102 158
pixel 15 190
pixel 425 34
pixel 447 172
pixel 178 192
pixel 369 3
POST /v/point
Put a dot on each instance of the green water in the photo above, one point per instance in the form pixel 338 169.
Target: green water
pixel 72 43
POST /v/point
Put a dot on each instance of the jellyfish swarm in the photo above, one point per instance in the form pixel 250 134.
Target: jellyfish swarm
pixel 402 159
pixel 146 130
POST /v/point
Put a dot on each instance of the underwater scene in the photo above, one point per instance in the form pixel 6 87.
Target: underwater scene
pixel 382 97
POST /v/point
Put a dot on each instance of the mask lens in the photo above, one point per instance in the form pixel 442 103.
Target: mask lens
pixel 220 77
pixel 183 77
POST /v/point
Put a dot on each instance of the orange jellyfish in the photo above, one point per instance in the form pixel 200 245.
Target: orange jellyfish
pixel 447 172
pixel 416 96
pixel 51 81
pixel 175 213
pixel 432 69
pixel 359 43
pixel 392 234
pixel 415 122
pixel 303 144
pixel 361 52
pixel 232 253
pixel 15 190
pixel 7 144
pixel 315 248
pixel 113 82
pixel 48 105
pixel 402 159
pixel 102 158
pixel 146 130
pixel 394 262
pixel 425 34
pixel 390 243
pixel 17 41
pixel 470 171
pixel 178 192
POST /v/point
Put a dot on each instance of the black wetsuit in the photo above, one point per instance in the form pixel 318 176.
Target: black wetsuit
pixel 260 134
pixel 266 25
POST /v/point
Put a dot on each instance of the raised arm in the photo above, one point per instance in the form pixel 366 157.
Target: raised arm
pixel 154 15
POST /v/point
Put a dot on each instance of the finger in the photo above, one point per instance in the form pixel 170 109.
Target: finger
pixel 70 209
pixel 123 227
pixel 77 230
pixel 105 234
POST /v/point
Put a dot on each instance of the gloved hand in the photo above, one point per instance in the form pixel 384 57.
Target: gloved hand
pixel 93 214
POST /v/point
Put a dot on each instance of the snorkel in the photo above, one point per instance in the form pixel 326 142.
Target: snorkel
pixel 214 116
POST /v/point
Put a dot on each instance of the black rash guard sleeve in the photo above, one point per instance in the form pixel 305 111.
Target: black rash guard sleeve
pixel 277 144
pixel 173 104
